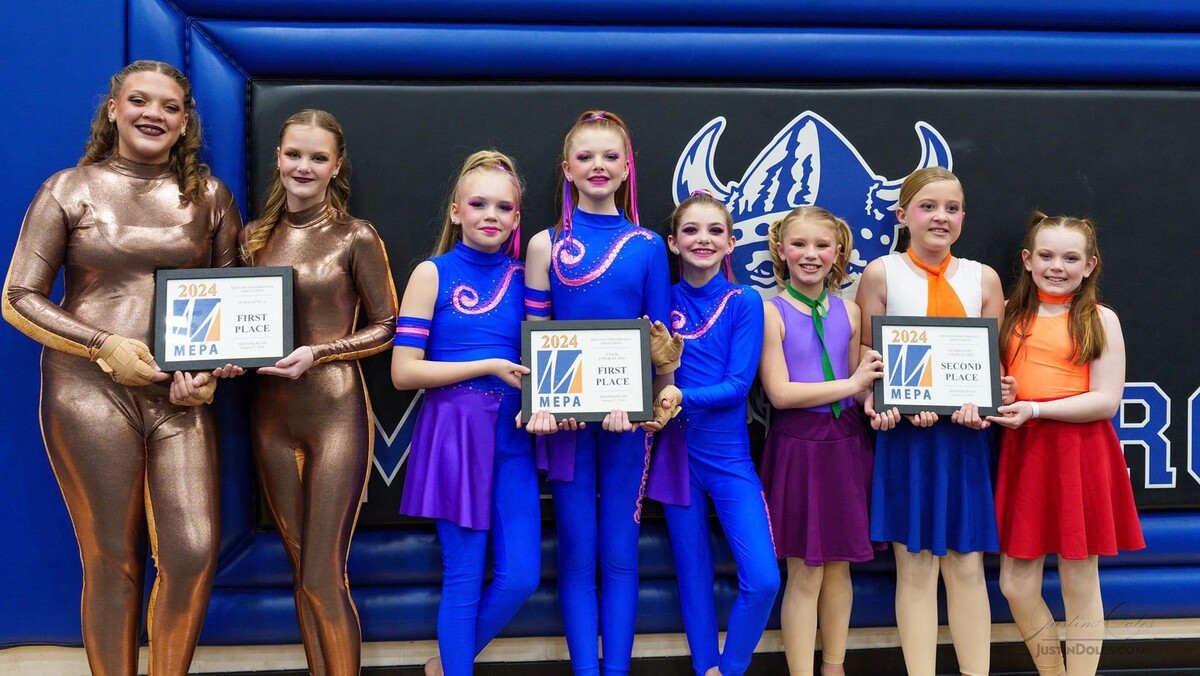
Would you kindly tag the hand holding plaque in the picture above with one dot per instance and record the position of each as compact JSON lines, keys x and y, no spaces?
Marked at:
{"x":192,"y":390}
{"x":292,"y":366}
{"x":668,"y":405}
{"x":127,"y":361}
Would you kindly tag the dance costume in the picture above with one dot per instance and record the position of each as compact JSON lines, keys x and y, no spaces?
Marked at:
{"x":313,"y":436}
{"x":470,"y":467}
{"x":817,"y":466}
{"x":1063,"y":488}
{"x":129,"y":462}
{"x":607,"y":268}
{"x":706,"y":452}
{"x":931,"y":487}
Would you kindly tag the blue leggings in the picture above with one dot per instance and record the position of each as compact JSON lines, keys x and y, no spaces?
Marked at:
{"x":613,"y":463}
{"x":737,"y":495}
{"x":467,"y":619}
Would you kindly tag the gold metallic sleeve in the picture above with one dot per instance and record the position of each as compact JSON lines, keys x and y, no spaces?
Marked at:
{"x":377,"y":294}
{"x":228,"y":222}
{"x":37,"y":258}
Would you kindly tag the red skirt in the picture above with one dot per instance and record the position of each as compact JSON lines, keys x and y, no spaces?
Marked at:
{"x":1063,"y":488}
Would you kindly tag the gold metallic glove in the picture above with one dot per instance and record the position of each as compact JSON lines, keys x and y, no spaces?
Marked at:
{"x":665,"y":410}
{"x":665,"y":349}
{"x":128,"y":361}
{"x":203,"y":395}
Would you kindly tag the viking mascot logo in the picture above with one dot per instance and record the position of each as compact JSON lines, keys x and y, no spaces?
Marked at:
{"x":808,"y":162}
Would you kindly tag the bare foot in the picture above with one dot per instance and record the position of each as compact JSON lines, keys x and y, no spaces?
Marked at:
{"x":433,"y":667}
{"x":713,"y":671}
{"x":829,"y":669}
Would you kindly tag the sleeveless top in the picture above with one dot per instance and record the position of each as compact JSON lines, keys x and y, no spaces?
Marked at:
{"x":1044,"y":366}
{"x":479,"y":309}
{"x":802,"y":348}
{"x":908,"y":292}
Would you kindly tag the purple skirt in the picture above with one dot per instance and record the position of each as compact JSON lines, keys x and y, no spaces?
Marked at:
{"x":450,"y":461}
{"x":554,"y":454}
{"x":816,"y":473}
{"x":670,"y":479}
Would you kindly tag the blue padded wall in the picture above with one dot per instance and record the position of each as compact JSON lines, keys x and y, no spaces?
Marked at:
{"x":53,"y":78}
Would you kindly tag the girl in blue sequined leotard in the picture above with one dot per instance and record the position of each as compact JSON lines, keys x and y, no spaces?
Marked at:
{"x":470,"y":468}
{"x":599,"y":264}
{"x":705,"y":453}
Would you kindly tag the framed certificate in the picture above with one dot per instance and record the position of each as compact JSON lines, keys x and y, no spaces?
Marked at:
{"x":585,"y":369}
{"x":937,"y":364}
{"x":205,"y":318}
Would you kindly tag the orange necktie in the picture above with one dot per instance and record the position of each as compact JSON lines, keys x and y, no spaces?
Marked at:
{"x":943,"y":301}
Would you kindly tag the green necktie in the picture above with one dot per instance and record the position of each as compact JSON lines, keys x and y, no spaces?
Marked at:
{"x":818,"y":314}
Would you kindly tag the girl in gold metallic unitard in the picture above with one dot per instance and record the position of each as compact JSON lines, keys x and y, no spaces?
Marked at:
{"x":312,"y":425}
{"x":134,"y":450}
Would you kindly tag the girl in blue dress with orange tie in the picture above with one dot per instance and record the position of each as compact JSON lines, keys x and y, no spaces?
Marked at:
{"x":470,"y":467}
{"x":931,"y":491}
{"x":705,"y":452}
{"x":598,"y":263}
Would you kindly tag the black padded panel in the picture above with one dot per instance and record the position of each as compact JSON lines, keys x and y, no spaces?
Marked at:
{"x":1123,"y":158}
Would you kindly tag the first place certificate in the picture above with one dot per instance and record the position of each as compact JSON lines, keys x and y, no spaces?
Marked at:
{"x":585,"y":369}
{"x":205,"y":318}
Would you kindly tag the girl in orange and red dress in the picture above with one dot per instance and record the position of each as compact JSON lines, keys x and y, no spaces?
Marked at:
{"x":1063,"y":487}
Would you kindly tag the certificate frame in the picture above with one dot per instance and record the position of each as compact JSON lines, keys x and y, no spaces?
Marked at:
{"x":937,"y":363}
{"x":208,"y":317}
{"x":583,"y":369}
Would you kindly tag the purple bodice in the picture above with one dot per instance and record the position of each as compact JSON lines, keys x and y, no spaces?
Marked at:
{"x":802,"y":348}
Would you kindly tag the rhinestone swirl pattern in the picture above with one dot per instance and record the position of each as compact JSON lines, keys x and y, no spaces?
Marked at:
{"x":678,"y":321}
{"x":466,"y":299}
{"x":569,"y":252}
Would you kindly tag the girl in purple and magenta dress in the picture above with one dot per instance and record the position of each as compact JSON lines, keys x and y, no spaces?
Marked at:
{"x":817,"y":460}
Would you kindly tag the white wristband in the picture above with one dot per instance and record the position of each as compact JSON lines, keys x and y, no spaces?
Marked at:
{"x":1037,"y":411}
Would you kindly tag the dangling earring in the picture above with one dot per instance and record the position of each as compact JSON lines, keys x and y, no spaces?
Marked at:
{"x":112,"y":118}
{"x":334,"y":175}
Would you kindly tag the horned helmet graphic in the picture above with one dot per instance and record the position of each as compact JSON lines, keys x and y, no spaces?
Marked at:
{"x":809,"y":162}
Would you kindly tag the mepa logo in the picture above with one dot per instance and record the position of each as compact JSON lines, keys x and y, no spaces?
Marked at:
{"x":809,"y":162}
{"x":561,"y":372}
{"x":911,"y":365}
{"x":197,"y":318}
